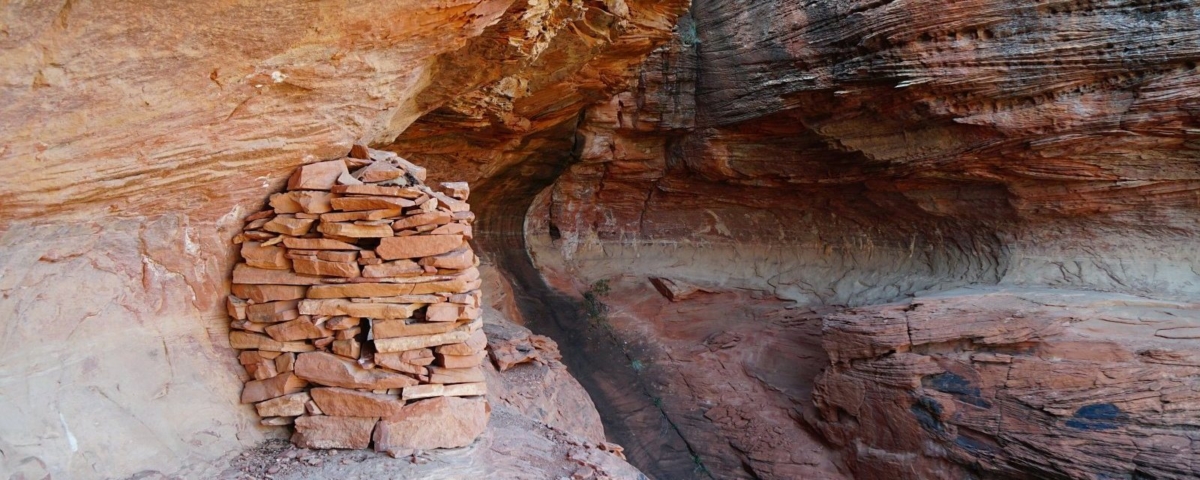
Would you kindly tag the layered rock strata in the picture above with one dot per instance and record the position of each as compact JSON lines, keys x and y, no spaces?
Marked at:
{"x":860,"y":153}
{"x":357,"y":308}
{"x":136,"y":142}
{"x":1013,"y":384}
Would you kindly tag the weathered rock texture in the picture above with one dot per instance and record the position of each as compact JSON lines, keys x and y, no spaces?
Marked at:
{"x":856,"y":152}
{"x":357,"y":308}
{"x":137,"y":136}
{"x":1020,"y":384}
{"x":853,"y":153}
{"x":542,"y":426}
{"x":828,"y":153}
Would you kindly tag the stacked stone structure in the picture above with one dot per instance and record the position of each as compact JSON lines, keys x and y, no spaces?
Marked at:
{"x":357,"y":308}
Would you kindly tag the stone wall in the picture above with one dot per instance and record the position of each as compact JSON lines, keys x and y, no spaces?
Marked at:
{"x":357,"y":308}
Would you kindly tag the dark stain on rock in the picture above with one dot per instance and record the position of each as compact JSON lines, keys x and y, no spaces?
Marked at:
{"x":928,"y":411}
{"x":1097,"y":417}
{"x":958,"y":386}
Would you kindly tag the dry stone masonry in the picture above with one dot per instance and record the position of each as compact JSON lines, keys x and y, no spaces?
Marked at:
{"x":357,"y":308}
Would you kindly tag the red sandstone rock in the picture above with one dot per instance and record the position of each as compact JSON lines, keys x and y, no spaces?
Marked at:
{"x":355,"y":230}
{"x":299,"y":329}
{"x":301,"y":201}
{"x":269,"y":293}
{"x":337,"y":256}
{"x":236,"y":307}
{"x":345,"y":307}
{"x":246,"y":274}
{"x":259,"y":256}
{"x":442,"y":312}
{"x":400,"y":344}
{"x":473,"y":345}
{"x":1038,"y":389}
{"x":361,"y":215}
{"x":431,"y":390}
{"x":454,"y":229}
{"x":460,"y":421}
{"x":289,"y":225}
{"x":285,"y":362}
{"x":456,"y":260}
{"x":456,"y":190}
{"x":508,"y":353}
{"x":398,"y":268}
{"x":410,"y":193}
{"x":432,"y":218}
{"x":317,"y":244}
{"x":317,"y":176}
{"x":314,"y":266}
{"x":674,"y":290}
{"x":401,"y":328}
{"x":447,"y":375}
{"x":334,"y":371}
{"x":333,"y":432}
{"x":251,"y":341}
{"x":378,"y":172}
{"x":358,"y":203}
{"x":271,"y":312}
{"x":460,"y":283}
{"x":393,"y":248}
{"x":210,"y":131}
{"x":460,"y":361}
{"x":277,"y":386}
{"x":346,"y":347}
{"x":353,"y":403}
{"x":286,"y":406}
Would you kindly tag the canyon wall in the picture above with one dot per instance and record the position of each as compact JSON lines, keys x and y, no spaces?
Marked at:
{"x":137,"y":135}
{"x":907,"y":146}
{"x":863,"y":153}
{"x":820,"y":154}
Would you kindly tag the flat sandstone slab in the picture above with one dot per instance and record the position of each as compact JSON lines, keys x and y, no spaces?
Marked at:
{"x":246,"y":274}
{"x":400,"y":328}
{"x":317,"y":176}
{"x":324,"y":431}
{"x":438,"y":390}
{"x":399,"y":344}
{"x":336,"y":307}
{"x":283,"y":384}
{"x":354,"y":403}
{"x":334,"y":371}
{"x":269,"y":293}
{"x":317,"y":244}
{"x":445,"y":422}
{"x":417,"y":246}
{"x":459,"y":284}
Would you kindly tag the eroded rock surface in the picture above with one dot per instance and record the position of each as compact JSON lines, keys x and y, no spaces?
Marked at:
{"x":860,"y":153}
{"x":1020,"y":384}
{"x":136,"y":135}
{"x":827,"y":153}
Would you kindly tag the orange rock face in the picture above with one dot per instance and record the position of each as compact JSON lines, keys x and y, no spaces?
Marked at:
{"x":861,"y":153}
{"x":828,"y":154}
{"x":1039,"y":383}
{"x":131,"y":168}
{"x":461,"y":421}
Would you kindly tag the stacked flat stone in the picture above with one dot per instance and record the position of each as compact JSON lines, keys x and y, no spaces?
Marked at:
{"x":357,"y":308}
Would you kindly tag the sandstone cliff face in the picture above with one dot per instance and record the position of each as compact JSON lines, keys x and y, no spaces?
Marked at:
{"x":859,"y":153}
{"x":905,"y":146}
{"x":1013,"y":384}
{"x":137,"y":135}
{"x":824,"y":154}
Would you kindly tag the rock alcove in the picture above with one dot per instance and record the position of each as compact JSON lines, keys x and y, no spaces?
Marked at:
{"x":907,"y":239}
{"x":356,"y":309}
